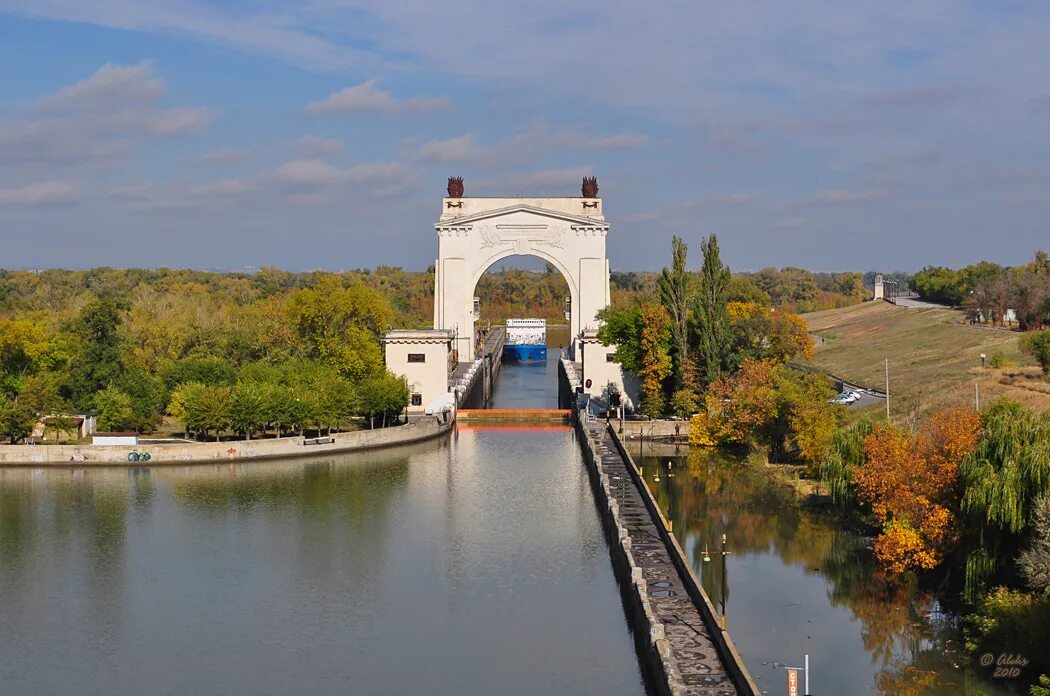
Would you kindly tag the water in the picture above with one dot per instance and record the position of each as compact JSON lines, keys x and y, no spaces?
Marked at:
{"x":532,"y":386}
{"x":798,"y":583}
{"x":470,"y":566}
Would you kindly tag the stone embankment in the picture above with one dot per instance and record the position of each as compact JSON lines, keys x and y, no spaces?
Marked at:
{"x":240,"y":450}
{"x":679,"y":639}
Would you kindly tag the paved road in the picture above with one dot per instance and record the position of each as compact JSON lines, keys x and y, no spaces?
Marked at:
{"x":917,"y":304}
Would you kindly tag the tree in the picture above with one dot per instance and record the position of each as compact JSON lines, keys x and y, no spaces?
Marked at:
{"x":115,"y":412}
{"x":655,"y":357}
{"x":1002,"y":480}
{"x":676,"y":294}
{"x":622,"y":327}
{"x":247,"y":408}
{"x":1034,"y":562}
{"x":99,"y":361}
{"x":16,"y":421}
{"x":1037,"y":344}
{"x":206,"y":369}
{"x":341,"y":325}
{"x":737,"y":407}
{"x":910,"y":483}
{"x":683,"y":403}
{"x":382,"y":396}
{"x":711,"y":316}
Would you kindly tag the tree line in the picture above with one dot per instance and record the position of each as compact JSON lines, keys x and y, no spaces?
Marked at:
{"x":992,"y":293}
{"x":300,"y":352}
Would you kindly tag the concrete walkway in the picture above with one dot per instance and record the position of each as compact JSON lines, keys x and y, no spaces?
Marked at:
{"x":695,"y":665}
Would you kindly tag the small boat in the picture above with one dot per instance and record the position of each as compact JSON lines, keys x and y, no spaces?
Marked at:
{"x":526,"y":341}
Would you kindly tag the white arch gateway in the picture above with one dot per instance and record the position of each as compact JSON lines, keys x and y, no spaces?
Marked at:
{"x":569,"y":233}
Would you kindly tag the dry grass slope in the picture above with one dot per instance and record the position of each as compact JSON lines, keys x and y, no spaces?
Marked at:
{"x":934,"y":357}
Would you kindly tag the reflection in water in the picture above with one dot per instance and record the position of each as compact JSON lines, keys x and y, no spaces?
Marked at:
{"x":468,"y":566}
{"x":801,"y":584}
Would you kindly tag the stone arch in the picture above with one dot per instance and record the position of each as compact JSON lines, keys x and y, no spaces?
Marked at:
{"x":475,"y":233}
{"x":557,"y":263}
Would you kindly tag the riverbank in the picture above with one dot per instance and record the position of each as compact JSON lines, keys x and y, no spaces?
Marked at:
{"x":210,"y":452}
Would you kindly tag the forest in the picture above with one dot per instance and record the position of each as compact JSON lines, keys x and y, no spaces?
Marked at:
{"x":269,"y":353}
{"x":256,"y":354}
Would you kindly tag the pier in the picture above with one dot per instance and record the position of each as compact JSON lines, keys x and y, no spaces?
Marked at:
{"x":472,"y":381}
{"x":677,"y":633}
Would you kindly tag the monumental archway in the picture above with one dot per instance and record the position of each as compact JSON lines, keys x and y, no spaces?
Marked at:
{"x":475,"y":233}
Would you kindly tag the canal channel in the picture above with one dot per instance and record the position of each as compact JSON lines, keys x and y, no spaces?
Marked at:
{"x":798,"y":582}
{"x":471,"y":565}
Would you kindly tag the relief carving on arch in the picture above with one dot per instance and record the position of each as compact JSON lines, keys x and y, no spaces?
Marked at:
{"x":521,"y":235}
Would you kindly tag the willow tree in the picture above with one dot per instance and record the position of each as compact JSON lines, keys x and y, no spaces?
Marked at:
{"x":1003,"y":478}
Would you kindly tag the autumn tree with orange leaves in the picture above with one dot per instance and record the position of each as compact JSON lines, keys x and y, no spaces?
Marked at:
{"x":910,"y":484}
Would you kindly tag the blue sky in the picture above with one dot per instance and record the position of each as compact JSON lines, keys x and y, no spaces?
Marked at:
{"x":319,"y":134}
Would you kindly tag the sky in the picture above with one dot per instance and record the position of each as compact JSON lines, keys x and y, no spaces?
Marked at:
{"x":320,"y":133}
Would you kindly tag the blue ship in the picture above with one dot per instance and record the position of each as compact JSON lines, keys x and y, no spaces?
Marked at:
{"x":526,"y":341}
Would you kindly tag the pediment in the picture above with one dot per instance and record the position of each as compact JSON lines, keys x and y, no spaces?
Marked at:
{"x":529,"y":211}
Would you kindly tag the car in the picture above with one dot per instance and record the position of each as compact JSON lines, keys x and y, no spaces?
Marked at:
{"x":846,"y":398}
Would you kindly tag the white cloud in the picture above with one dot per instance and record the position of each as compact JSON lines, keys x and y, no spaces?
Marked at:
{"x":43,"y":193}
{"x":175,"y":121}
{"x":110,"y":85}
{"x":368,"y":97}
{"x":95,"y":120}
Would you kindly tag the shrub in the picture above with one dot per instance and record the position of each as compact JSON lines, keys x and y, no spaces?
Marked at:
{"x":1009,"y":621}
{"x":1000,"y":360}
{"x":1038,"y":344}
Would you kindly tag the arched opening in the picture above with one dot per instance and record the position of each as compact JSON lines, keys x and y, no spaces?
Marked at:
{"x":525,"y":287}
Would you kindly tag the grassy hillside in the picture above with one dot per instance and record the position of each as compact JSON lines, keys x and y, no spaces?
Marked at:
{"x":934,"y":357}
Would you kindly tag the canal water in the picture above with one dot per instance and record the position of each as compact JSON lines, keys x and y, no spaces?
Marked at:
{"x":475,"y":565}
{"x":532,"y":386}
{"x":799,"y":583}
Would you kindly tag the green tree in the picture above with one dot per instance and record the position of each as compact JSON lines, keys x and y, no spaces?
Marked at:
{"x":207,"y":369}
{"x":711,"y":316}
{"x":341,"y":326}
{"x":115,"y":412}
{"x":382,"y":397}
{"x":683,"y":403}
{"x":622,"y":327}
{"x":1003,"y":479}
{"x":1038,"y":344}
{"x":16,"y":421}
{"x":247,"y":408}
{"x":1035,"y":560}
{"x":676,"y":294}
{"x":99,"y":361}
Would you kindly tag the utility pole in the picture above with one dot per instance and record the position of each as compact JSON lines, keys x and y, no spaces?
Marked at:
{"x":887,"y":388}
{"x":977,"y":396}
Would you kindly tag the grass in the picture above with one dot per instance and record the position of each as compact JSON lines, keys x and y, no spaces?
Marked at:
{"x":934,"y":357}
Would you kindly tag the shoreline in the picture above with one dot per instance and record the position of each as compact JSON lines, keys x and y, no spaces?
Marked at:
{"x":87,"y":456}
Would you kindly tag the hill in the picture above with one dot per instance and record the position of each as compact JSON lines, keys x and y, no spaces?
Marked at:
{"x":934,"y":356}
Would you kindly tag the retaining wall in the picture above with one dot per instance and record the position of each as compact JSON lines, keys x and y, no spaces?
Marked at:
{"x":205,"y":452}
{"x":660,"y":646}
